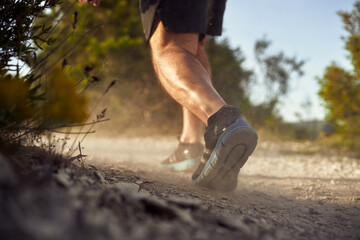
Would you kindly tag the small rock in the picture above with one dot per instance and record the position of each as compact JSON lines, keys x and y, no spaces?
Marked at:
{"x":92,"y":167}
{"x":111,"y":179}
{"x":126,"y":187}
{"x":63,"y":178}
{"x":143,"y":192}
{"x":185,"y":202}
{"x":263,"y":223}
{"x":249,"y":220}
{"x":100,"y":177}
{"x":332,"y":182}
{"x":313,"y":211}
{"x":234,"y":224}
{"x":162,"y":209}
{"x":299,"y":229}
{"x":86,"y":180}
{"x":130,"y":188}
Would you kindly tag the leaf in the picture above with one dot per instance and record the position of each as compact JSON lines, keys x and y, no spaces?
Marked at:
{"x":51,"y":41}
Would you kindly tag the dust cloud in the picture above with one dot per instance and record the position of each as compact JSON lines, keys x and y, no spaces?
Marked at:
{"x":134,"y":153}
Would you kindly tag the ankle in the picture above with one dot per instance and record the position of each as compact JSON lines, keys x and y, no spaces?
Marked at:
{"x":218,"y":122}
{"x":190,"y":139}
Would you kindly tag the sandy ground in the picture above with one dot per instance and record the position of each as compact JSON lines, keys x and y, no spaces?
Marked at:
{"x":300,"y":190}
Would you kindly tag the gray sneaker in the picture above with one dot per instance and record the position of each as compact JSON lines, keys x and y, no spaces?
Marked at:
{"x":229,"y":141}
{"x":185,"y":158}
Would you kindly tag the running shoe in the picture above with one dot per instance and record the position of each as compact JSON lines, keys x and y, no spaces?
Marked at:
{"x":185,"y":158}
{"x":229,"y":141}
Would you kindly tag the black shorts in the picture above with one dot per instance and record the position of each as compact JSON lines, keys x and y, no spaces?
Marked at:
{"x":184,"y":16}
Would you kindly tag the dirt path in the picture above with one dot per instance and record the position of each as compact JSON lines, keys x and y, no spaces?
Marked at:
{"x":285,"y":190}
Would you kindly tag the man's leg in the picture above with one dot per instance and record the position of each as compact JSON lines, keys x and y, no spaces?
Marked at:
{"x":182,"y":74}
{"x":229,"y":139}
{"x":192,"y":131}
{"x":183,"y":69}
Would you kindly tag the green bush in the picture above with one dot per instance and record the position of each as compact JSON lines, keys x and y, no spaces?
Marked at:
{"x":35,"y":95}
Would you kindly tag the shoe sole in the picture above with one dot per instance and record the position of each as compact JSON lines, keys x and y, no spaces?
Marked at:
{"x":231,"y":152}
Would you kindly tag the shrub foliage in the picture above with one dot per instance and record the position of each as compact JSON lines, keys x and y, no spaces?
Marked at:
{"x":340,"y":89}
{"x":34,"y":95}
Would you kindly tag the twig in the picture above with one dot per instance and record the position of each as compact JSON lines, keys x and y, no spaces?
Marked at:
{"x":86,"y":133}
{"x":78,"y":125}
{"x":76,"y":157}
{"x":51,"y":52}
{"x":57,"y":22}
{"x":51,"y":130}
{"x":81,"y":156}
{"x":93,"y":109}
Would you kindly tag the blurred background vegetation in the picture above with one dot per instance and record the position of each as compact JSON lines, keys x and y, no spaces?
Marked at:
{"x":340,"y":89}
{"x":109,"y":39}
{"x":53,"y":53}
{"x":33,"y":95}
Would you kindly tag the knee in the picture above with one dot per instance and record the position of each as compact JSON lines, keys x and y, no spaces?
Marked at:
{"x":173,"y":46}
{"x":163,"y":41}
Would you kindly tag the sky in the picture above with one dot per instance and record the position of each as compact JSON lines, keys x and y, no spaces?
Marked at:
{"x":308,"y":29}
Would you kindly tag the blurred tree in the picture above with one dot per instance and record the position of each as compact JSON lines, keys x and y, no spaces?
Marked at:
{"x":278,"y":69}
{"x":340,"y":89}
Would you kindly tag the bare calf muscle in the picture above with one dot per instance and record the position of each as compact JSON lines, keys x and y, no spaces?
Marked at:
{"x":181,"y":72}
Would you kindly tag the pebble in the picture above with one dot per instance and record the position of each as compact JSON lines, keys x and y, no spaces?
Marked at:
{"x":313,"y":211}
{"x":130,"y":188}
{"x":100,"y":177}
{"x":63,"y":178}
{"x":185,"y":202}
